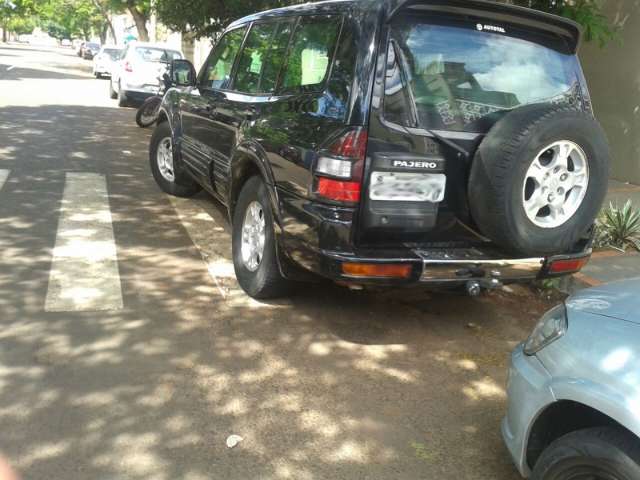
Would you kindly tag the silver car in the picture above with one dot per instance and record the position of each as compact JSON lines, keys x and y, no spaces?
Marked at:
{"x":104,"y":62}
{"x":574,"y":389}
{"x":136,"y":75}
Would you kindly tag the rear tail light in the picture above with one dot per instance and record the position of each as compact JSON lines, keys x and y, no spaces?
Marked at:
{"x":568,"y":265}
{"x":380,"y":270}
{"x":339,"y":168}
{"x":128,"y":67}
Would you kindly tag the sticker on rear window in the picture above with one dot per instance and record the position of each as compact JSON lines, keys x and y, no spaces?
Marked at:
{"x":490,"y":28}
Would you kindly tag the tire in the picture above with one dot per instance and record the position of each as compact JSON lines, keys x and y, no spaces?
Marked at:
{"x":181,"y":185}
{"x":598,"y":453}
{"x":147,"y":114}
{"x":265,"y":280}
{"x":505,"y":200}
{"x":112,"y":93}
{"x":122,"y":97}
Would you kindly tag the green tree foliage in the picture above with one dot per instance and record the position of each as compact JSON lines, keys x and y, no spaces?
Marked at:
{"x":587,"y":13}
{"x":206,"y":18}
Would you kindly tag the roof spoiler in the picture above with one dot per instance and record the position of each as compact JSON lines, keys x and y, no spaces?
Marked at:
{"x":567,"y":29}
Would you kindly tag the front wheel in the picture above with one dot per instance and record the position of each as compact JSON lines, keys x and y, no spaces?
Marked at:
{"x":254,"y":246}
{"x":603,"y":453}
{"x":148,"y":112}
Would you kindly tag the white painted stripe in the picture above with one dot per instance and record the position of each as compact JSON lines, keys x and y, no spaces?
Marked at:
{"x":4,"y":174}
{"x":211,"y":240}
{"x":84,"y":273}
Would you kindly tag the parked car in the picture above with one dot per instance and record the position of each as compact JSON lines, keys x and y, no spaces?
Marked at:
{"x":574,"y":389}
{"x":90,"y":50}
{"x":135,"y":76}
{"x":105,"y":60}
{"x":65,"y":42}
{"x":391,"y":143}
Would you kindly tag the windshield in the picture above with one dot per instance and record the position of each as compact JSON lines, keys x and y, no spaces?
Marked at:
{"x":93,"y":46}
{"x":458,"y":78}
{"x":151,"y":54}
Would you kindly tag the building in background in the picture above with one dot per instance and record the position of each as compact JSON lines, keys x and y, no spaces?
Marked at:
{"x":613,"y":74}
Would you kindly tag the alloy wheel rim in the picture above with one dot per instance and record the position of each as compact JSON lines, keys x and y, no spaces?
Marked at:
{"x":253,"y":236}
{"x":164,"y":157}
{"x":555,"y":184}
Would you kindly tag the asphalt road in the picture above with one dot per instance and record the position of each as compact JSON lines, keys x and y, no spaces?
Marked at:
{"x":127,"y":350}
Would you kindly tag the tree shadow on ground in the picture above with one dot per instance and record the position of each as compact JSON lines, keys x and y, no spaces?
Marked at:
{"x":326,"y":384}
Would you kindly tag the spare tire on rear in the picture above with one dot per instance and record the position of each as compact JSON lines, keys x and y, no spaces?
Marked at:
{"x":539,"y":178}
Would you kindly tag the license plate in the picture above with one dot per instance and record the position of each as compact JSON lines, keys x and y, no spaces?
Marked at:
{"x":407,"y":187}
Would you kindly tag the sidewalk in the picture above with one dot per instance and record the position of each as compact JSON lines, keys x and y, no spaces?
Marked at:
{"x":610,"y":265}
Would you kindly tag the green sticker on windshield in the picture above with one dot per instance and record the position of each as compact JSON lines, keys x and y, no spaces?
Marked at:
{"x":256,"y":63}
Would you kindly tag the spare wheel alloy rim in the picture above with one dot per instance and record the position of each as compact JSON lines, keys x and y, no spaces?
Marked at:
{"x":164,"y":157}
{"x":555,"y":184}
{"x":253,"y":236}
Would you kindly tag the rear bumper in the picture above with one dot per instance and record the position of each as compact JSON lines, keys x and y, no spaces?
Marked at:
{"x":320,"y":239}
{"x":440,"y":266}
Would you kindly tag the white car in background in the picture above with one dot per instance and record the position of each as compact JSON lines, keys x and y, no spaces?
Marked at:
{"x":136,"y":76}
{"x":106,"y":59}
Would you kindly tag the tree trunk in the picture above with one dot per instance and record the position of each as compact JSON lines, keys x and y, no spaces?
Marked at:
{"x":105,"y":14}
{"x":141,"y":21}
{"x":4,"y":33}
{"x":103,"y":34}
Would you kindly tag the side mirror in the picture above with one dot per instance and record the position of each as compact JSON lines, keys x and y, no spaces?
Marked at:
{"x":183,"y":73}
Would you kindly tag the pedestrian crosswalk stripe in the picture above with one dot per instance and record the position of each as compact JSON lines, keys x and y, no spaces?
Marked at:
{"x":4,"y":174}
{"x":84,"y":273}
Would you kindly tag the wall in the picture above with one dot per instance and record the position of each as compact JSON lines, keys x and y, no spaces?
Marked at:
{"x":613,"y":74}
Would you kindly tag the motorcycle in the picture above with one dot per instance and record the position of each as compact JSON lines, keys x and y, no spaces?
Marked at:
{"x":148,"y":112}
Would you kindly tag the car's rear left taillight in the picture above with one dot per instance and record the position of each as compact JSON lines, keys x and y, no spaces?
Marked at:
{"x":128,"y":67}
{"x":339,"y":168}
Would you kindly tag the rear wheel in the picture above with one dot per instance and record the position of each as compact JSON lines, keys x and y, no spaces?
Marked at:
{"x":603,"y":453}
{"x":112,"y":93}
{"x":148,"y":112}
{"x":122,"y":97}
{"x":162,"y":162}
{"x":254,"y":247}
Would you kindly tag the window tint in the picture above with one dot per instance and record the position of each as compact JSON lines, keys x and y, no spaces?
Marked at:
{"x":458,"y":78}
{"x":274,"y":61}
{"x":310,"y":55}
{"x":252,"y":58}
{"x":217,"y":71}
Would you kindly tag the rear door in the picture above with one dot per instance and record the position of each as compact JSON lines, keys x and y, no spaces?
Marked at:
{"x":205,"y":137}
{"x":442,"y":82}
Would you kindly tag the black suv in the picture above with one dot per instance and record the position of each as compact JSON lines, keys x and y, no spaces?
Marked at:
{"x":391,"y":142}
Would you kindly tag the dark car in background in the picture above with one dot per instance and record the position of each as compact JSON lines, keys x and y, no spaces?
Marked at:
{"x":391,"y":143}
{"x":90,"y":50}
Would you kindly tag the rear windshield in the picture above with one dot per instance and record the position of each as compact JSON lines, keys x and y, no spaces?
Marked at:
{"x":462,"y":77}
{"x":151,"y":54}
{"x":113,"y":53}
{"x":94,"y":46}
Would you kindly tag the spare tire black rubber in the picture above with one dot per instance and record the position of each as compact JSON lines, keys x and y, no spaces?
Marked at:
{"x":504,"y":183}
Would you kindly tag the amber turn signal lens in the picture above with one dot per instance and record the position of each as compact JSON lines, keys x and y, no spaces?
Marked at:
{"x":568,"y":265}
{"x":377,"y":270}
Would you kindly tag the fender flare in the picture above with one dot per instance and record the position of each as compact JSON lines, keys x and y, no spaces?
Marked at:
{"x":246,"y":157}
{"x":600,"y":398}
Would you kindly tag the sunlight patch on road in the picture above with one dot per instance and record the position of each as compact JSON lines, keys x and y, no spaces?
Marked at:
{"x":84,"y":274}
{"x":4,"y":174}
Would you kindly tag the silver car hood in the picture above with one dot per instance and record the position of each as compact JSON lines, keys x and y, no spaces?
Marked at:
{"x":616,"y":299}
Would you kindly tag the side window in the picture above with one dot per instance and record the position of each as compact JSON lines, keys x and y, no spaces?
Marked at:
{"x":310,"y":55}
{"x":253,"y":57}
{"x":217,"y":71}
{"x":275,"y":60}
{"x":397,"y":98}
{"x":340,"y":83}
